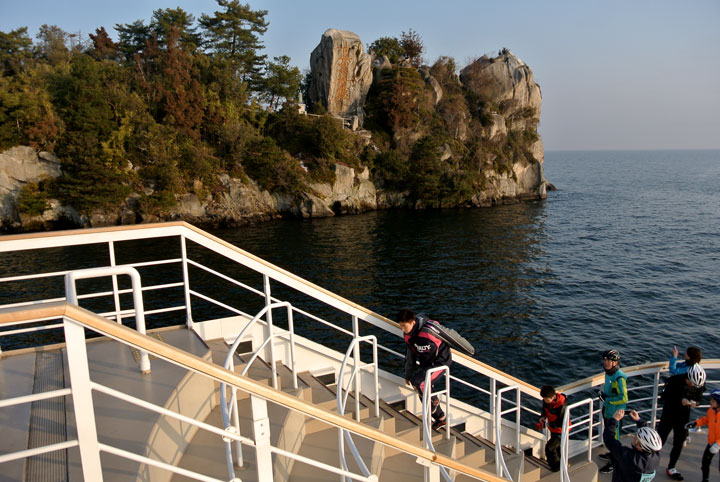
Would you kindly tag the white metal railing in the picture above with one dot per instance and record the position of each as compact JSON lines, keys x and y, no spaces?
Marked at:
{"x":645,"y":383}
{"x":229,"y":408}
{"x":427,"y":412}
{"x":344,"y":435}
{"x":139,"y":307}
{"x":75,"y":321}
{"x":500,"y":466}
{"x":190,"y":237}
{"x":565,"y":434}
{"x":188,"y":234}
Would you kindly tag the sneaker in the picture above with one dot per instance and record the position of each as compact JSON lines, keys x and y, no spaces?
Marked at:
{"x":605,"y":456}
{"x":674,"y":474}
{"x":438,"y":424}
{"x":607,"y":468}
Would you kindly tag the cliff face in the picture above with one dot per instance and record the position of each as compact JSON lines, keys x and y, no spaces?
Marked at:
{"x":509,"y":93}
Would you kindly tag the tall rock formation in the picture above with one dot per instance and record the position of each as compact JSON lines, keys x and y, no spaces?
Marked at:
{"x":505,"y":80}
{"x":510,"y":96}
{"x":341,"y":73}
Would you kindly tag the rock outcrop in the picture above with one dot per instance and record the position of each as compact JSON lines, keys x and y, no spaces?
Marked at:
{"x":19,"y":166}
{"x":240,"y":202}
{"x":505,"y":80}
{"x":505,"y":84}
{"x":341,"y":74}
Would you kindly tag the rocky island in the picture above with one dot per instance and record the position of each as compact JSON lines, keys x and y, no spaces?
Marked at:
{"x":382,"y":133}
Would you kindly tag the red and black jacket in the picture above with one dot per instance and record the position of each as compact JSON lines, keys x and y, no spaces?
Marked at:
{"x":554,"y":413}
{"x":425,"y":349}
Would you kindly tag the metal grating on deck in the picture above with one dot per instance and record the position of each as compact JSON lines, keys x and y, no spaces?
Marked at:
{"x":47,"y":421}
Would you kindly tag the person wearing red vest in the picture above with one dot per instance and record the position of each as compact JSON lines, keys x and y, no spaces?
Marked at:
{"x":553,"y":413}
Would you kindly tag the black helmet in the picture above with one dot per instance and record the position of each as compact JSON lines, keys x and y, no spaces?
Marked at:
{"x":613,"y":355}
{"x":715,"y":395}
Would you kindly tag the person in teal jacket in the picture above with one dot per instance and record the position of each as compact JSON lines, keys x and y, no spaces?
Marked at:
{"x":614,"y":396}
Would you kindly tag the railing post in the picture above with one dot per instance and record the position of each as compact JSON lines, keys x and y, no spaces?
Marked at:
{"x":493,"y":396}
{"x":497,"y":436}
{"x":235,"y":422}
{"x":377,"y":384}
{"x":447,"y":404}
{"x":186,"y":282}
{"x":268,"y":318}
{"x":116,"y":295}
{"x":356,"y":358}
{"x":291,"y":329}
{"x":432,"y":471}
{"x":656,"y":389}
{"x":261,"y":432}
{"x":82,"y":400}
{"x":501,"y":467}
{"x":517,"y":421}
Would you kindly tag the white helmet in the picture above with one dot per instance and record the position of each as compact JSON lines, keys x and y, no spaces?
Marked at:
{"x":696,"y":375}
{"x":649,"y":439}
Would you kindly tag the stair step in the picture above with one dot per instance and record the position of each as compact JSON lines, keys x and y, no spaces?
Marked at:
{"x":401,"y":467}
{"x":581,"y":471}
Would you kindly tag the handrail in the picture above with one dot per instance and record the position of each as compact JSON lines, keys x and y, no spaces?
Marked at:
{"x":565,"y":435}
{"x":71,"y":295}
{"x":427,"y":404}
{"x":427,"y":407}
{"x":342,"y":401}
{"x":500,"y":465}
{"x":222,"y":375}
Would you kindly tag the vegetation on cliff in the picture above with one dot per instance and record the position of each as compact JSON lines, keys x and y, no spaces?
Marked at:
{"x":176,"y":101}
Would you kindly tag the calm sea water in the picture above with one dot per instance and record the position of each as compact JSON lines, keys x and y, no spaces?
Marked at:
{"x":625,"y":254}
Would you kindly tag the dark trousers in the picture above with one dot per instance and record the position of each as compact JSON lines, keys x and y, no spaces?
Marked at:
{"x":670,"y":422}
{"x":552,"y":451}
{"x":610,"y":459}
{"x":706,"y":459}
{"x":417,"y":380}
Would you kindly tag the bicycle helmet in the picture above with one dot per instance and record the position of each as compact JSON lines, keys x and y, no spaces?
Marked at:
{"x":696,"y":375}
{"x":649,"y":439}
{"x":715,"y":395}
{"x":613,"y":355}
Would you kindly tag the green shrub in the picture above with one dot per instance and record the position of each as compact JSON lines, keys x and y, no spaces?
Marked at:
{"x":157,"y":203}
{"x":393,"y":169}
{"x":272,"y":168}
{"x":33,"y":199}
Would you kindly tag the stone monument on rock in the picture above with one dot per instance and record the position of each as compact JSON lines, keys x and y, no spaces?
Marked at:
{"x":341,"y":74}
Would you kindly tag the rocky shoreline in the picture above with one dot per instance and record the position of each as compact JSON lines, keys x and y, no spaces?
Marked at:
{"x":239,"y":203}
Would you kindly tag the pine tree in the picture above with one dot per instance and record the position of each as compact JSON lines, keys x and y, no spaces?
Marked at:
{"x":281,"y":81}
{"x":232,"y":36}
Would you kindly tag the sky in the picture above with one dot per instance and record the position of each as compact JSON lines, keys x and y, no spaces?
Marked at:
{"x":614,"y":74}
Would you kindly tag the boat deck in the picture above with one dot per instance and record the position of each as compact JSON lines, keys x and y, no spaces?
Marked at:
{"x":137,"y":430}
{"x":119,"y":423}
